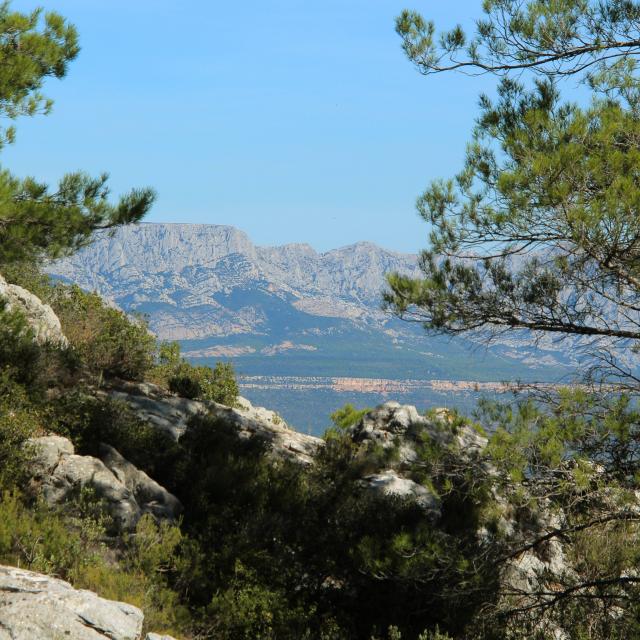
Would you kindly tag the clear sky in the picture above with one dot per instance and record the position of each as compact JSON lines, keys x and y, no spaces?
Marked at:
{"x":295,"y":121}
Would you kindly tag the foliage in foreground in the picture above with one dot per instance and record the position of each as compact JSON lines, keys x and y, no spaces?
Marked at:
{"x":70,"y":544}
{"x":270,"y":549}
{"x":37,"y":221}
{"x":196,"y":382}
{"x":104,"y":343}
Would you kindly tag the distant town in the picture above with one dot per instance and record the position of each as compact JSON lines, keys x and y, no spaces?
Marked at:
{"x":376,"y":385}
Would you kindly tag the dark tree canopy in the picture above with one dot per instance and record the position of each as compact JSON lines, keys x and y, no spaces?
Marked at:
{"x":37,"y":221}
{"x":556,"y":38}
{"x":540,"y":230}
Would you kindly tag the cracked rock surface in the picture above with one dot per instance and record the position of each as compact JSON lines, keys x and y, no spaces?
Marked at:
{"x":126,"y":492}
{"x":38,"y":607}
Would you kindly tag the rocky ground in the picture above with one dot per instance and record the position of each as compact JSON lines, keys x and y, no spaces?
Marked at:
{"x":38,"y":607}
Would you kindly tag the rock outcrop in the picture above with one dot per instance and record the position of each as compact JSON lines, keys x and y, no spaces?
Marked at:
{"x":126,"y":492}
{"x":392,"y":421}
{"x":38,"y":607}
{"x":172,"y":413}
{"x":391,"y":483}
{"x":148,"y":494}
{"x":41,"y":318}
{"x":395,"y":425}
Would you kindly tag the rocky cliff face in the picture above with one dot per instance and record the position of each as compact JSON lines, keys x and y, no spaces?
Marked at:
{"x":38,"y":607}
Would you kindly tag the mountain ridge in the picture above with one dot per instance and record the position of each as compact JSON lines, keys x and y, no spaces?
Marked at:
{"x":292,"y":311}
{"x":213,"y":259}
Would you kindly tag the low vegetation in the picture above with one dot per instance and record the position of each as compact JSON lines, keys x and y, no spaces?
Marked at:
{"x":270,"y":548}
{"x":196,"y":382}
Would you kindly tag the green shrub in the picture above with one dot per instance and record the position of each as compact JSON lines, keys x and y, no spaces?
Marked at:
{"x":347,"y":416}
{"x":68,"y":544}
{"x":41,"y":540}
{"x":18,"y":351}
{"x":18,"y":421}
{"x":196,"y":382}
{"x":185,"y":382}
{"x":287,"y":551}
{"x":245,"y":609}
{"x":107,"y":341}
{"x":28,"y":276}
{"x":217,"y":384}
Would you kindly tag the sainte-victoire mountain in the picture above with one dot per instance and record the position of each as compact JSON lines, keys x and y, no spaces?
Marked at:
{"x":188,"y":276}
{"x":210,"y":288}
{"x":288,"y":311}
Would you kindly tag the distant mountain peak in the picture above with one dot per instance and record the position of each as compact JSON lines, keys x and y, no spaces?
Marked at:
{"x":191,"y":268}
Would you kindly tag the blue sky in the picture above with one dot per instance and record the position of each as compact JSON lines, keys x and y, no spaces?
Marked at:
{"x":296,"y":121}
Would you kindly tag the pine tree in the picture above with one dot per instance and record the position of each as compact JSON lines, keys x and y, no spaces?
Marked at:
{"x":540,"y":230}
{"x":37,"y":221}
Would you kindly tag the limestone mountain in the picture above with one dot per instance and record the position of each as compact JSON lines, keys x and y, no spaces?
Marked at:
{"x":187,"y":276}
{"x":285,"y":310}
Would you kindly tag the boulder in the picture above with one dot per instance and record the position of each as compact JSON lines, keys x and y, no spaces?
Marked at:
{"x":390,"y":483}
{"x":38,"y":607}
{"x":392,"y":423}
{"x":47,"y":453}
{"x":157,"y":406}
{"x":150,"y":496}
{"x":172,"y":413}
{"x":126,"y":492}
{"x":253,"y":421}
{"x":40,"y":317}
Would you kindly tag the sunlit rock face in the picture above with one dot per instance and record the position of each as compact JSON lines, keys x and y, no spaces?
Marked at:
{"x":38,"y":607}
{"x":402,"y":427}
{"x":40,"y":317}
{"x":172,"y":413}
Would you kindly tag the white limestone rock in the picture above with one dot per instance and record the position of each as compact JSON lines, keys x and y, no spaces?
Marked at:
{"x":392,"y":423}
{"x":172,"y":413}
{"x":126,"y":492}
{"x":157,"y":406}
{"x":150,"y":496}
{"x":390,"y":483}
{"x":38,"y":607}
{"x":40,"y":317}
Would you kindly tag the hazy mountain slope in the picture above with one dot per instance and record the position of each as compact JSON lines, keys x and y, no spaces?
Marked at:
{"x":209,"y":259}
{"x":285,"y":310}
